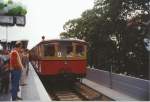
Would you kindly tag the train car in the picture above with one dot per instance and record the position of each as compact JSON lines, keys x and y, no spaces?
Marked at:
{"x":59,"y":58}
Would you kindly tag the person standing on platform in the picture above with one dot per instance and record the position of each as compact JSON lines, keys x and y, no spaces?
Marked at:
{"x":16,"y":67}
{"x":24,"y":62}
{"x":5,"y":73}
{"x":27,"y":61}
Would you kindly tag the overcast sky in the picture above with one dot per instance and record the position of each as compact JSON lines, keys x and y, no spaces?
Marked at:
{"x":46,"y":17}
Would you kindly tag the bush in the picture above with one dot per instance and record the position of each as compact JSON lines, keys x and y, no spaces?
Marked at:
{"x":18,"y":10}
{"x":12,"y":9}
{"x":2,"y":6}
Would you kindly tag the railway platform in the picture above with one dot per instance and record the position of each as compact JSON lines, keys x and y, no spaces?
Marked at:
{"x":35,"y":91}
{"x":112,"y":94}
{"x":117,"y":86}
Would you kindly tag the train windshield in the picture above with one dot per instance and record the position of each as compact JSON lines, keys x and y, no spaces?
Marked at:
{"x":79,"y":50}
{"x":65,"y":49}
{"x":69,"y":49}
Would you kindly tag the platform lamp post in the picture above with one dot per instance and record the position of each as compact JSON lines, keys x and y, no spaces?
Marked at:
{"x":6,"y":21}
{"x":6,"y":37}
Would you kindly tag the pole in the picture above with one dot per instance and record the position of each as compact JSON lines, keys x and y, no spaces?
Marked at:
{"x":6,"y":37}
{"x":110,"y":76}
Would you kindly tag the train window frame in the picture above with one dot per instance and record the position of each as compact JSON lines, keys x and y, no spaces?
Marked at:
{"x":39,"y":51}
{"x":69,"y":51}
{"x":65,"y":49}
{"x":49,"y":49}
{"x":82,"y":53}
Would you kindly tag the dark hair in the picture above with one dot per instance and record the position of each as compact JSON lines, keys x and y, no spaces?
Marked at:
{"x":26,"y":50}
{"x":18,"y":45}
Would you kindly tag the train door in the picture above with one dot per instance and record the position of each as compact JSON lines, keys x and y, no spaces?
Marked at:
{"x":39,"y":57}
{"x":66,"y":49}
{"x":48,"y":58}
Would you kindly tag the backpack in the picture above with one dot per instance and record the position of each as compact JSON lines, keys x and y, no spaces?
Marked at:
{"x":3,"y":62}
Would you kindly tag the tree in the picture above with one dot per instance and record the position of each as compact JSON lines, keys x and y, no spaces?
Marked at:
{"x":115,"y":30}
{"x":13,"y":9}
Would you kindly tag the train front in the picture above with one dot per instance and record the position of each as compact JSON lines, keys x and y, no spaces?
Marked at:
{"x":61,"y":59}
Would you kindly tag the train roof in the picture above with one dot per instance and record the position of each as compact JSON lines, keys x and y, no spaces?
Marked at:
{"x":61,"y":40}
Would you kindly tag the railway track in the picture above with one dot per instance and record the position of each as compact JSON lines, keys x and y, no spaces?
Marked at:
{"x":68,"y":95}
{"x":75,"y":92}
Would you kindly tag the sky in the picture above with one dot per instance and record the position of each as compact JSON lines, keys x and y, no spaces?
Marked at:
{"x":45,"y":17}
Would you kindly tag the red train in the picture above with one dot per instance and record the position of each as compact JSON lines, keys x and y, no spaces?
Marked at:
{"x":60,"y":58}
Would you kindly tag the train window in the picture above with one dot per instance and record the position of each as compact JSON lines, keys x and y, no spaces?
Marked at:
{"x":69,"y":51}
{"x":39,"y":49}
{"x":79,"y":50}
{"x":49,"y":50}
{"x":65,"y":49}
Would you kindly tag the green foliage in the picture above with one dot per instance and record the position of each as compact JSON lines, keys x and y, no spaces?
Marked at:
{"x":10,"y":2}
{"x":2,"y":6}
{"x":17,"y":11}
{"x":64,"y":35}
